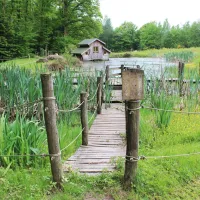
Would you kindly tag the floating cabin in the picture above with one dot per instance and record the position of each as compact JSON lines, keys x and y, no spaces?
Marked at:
{"x":92,"y":49}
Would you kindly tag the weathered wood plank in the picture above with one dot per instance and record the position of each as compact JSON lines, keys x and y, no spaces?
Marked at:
{"x":104,"y":144}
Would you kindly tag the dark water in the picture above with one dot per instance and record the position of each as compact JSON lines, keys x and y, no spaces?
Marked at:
{"x":151,"y":66}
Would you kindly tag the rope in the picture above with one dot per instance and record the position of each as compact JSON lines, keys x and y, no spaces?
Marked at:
{"x":94,"y":94}
{"x":170,"y":156}
{"x":92,"y":115}
{"x":134,"y":159}
{"x":73,"y":140}
{"x":25,"y":104}
{"x":175,"y":111}
{"x":48,"y":98}
{"x":133,"y":110}
{"x":33,"y":155}
{"x":73,"y":109}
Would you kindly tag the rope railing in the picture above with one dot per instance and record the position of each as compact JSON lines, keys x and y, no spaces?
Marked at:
{"x":72,"y":141}
{"x":18,"y":106}
{"x":175,"y":111}
{"x":31,"y":155}
{"x":136,"y":159}
{"x":29,"y":104}
{"x":73,"y":109}
{"x":157,"y":109}
{"x":93,"y":114}
{"x":92,"y":98}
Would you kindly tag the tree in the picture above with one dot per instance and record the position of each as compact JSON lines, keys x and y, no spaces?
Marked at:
{"x":107,"y":35}
{"x":195,"y":34}
{"x":125,"y":37}
{"x":176,"y":36}
{"x":150,"y":36}
{"x":165,"y":34}
{"x":77,"y":20}
{"x":47,"y":18}
{"x":80,"y":18}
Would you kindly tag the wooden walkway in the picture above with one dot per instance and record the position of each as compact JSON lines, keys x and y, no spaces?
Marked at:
{"x":106,"y":142}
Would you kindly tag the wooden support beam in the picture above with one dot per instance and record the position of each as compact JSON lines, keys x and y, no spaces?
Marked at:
{"x":84,"y":118}
{"x":51,"y":128}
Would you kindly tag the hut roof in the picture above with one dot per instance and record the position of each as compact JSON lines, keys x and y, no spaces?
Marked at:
{"x":80,"y":51}
{"x":90,"y":41}
{"x":106,"y":49}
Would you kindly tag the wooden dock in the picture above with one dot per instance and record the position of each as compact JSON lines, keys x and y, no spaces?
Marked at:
{"x":106,"y":143}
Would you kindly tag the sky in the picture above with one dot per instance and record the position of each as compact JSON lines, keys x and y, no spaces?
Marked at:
{"x":141,"y":12}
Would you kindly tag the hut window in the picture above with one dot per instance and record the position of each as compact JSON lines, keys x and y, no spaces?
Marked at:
{"x":95,"y":49}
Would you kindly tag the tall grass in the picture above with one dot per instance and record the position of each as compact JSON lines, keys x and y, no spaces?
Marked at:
{"x":164,"y":94}
{"x":22,"y":128}
{"x":182,"y":56}
{"x":21,"y":137}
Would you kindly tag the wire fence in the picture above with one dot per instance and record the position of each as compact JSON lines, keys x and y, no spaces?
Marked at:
{"x":174,"y":111}
{"x":136,"y":159}
{"x":156,"y":109}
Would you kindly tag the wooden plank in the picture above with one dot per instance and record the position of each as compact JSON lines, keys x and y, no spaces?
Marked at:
{"x":115,"y":74}
{"x":115,"y":68}
{"x":105,"y":144}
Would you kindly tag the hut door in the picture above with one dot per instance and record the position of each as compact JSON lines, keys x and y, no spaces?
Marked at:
{"x":95,"y":52}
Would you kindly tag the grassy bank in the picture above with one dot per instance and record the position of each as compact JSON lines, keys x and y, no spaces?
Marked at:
{"x":156,"y":179}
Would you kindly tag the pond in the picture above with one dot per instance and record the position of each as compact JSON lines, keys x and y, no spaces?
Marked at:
{"x":152,"y":66}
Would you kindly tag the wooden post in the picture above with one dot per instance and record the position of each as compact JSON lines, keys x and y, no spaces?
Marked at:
{"x":102,"y":95}
{"x":132,"y":136}
{"x":180,"y":78}
{"x":199,"y":68}
{"x":60,"y":72}
{"x":107,"y":73}
{"x":51,"y":128}
{"x":99,"y":94}
{"x":122,"y":69}
{"x":106,"y":84}
{"x":132,"y":92}
{"x":84,"y":118}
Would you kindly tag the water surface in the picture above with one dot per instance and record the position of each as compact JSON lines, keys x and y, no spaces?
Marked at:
{"x":151,"y":66}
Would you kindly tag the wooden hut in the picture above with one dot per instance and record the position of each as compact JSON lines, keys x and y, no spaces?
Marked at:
{"x":92,"y":49}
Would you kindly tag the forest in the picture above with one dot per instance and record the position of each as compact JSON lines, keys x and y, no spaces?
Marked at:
{"x":39,"y":27}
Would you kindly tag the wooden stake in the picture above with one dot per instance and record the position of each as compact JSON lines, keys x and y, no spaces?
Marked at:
{"x":132,"y":92}
{"x":132,"y":135}
{"x":180,"y":78}
{"x":51,"y":128}
{"x":107,"y":73}
{"x":122,"y":69}
{"x":84,"y":118}
{"x":99,"y":94}
{"x":199,"y":68}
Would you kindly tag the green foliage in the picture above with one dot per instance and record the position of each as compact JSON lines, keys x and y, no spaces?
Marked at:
{"x":168,"y":178}
{"x":150,"y":36}
{"x":161,"y":101}
{"x":125,"y":37}
{"x":21,"y":137}
{"x":107,"y":35}
{"x":43,"y":26}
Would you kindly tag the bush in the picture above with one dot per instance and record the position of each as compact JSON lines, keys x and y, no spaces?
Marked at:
{"x":127,"y":55}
